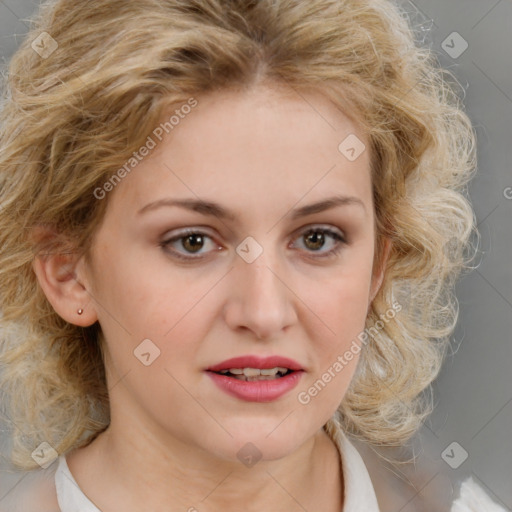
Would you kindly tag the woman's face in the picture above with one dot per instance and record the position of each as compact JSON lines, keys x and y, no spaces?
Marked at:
{"x":241,"y":270}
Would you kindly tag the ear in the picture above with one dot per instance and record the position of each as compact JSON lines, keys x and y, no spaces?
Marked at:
{"x":378,"y":276}
{"x":61,"y":275}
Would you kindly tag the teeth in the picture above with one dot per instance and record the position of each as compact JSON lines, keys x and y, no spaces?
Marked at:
{"x":255,"y":373}
{"x":252,"y":372}
{"x":269,"y":371}
{"x":258,"y":377}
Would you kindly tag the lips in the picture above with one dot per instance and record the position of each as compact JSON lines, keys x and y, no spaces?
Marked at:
{"x":262,"y":363}
{"x":241,"y":377}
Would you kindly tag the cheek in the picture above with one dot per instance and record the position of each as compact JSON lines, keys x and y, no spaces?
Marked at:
{"x":154,"y":328}
{"x":341,"y":303}
{"x":172,"y":309}
{"x":145,"y":296}
{"x":337,"y":354}
{"x":343,"y":308}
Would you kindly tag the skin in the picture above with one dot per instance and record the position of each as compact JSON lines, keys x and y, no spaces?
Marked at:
{"x":174,"y":436}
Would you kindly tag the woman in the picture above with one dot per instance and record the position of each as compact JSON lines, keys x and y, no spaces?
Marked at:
{"x":229,"y":235}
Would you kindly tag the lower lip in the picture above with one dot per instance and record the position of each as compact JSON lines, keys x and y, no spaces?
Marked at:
{"x":256,"y":391}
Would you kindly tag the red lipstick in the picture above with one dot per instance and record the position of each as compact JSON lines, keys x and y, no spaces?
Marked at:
{"x":256,"y":379}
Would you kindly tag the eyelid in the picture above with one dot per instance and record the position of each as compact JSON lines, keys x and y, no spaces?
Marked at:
{"x":320,"y":227}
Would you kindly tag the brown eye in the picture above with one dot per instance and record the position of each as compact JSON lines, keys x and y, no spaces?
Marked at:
{"x":189,"y":244}
{"x":316,"y":239}
{"x":192,"y":243}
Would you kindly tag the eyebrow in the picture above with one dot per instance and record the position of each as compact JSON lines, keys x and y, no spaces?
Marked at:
{"x":216,"y":210}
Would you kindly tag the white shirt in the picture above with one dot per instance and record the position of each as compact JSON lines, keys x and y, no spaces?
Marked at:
{"x":69,"y":495}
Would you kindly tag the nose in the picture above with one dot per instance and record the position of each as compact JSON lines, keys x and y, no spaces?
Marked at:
{"x":260,"y":300}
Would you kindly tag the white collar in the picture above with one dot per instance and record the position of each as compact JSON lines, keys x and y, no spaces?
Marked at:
{"x":69,"y":495}
{"x":358,"y":491}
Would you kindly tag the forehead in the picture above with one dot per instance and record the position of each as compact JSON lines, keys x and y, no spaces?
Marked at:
{"x":252,"y":147}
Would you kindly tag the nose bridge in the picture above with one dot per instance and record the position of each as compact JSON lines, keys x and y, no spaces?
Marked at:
{"x":259,"y":300}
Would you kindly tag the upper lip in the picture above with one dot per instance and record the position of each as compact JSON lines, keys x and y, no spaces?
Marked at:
{"x":256,"y":362}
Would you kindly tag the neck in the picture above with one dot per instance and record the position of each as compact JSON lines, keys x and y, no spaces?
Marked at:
{"x":159,"y":471}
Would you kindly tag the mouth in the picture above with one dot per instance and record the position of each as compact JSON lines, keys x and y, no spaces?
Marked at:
{"x":256,"y":374}
{"x":256,"y":379}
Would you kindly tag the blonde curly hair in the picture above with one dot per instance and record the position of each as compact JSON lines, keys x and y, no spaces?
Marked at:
{"x":70,"y":119}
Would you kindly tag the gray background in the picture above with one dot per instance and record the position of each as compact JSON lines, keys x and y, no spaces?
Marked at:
{"x":473,"y":394}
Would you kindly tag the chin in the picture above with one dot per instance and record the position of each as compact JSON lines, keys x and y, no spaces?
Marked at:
{"x":266,"y":439}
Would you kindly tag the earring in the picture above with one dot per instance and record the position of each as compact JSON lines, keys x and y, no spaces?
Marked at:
{"x":80,"y":311}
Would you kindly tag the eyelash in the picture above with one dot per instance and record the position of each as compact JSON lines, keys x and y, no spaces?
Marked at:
{"x":326,"y":231}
